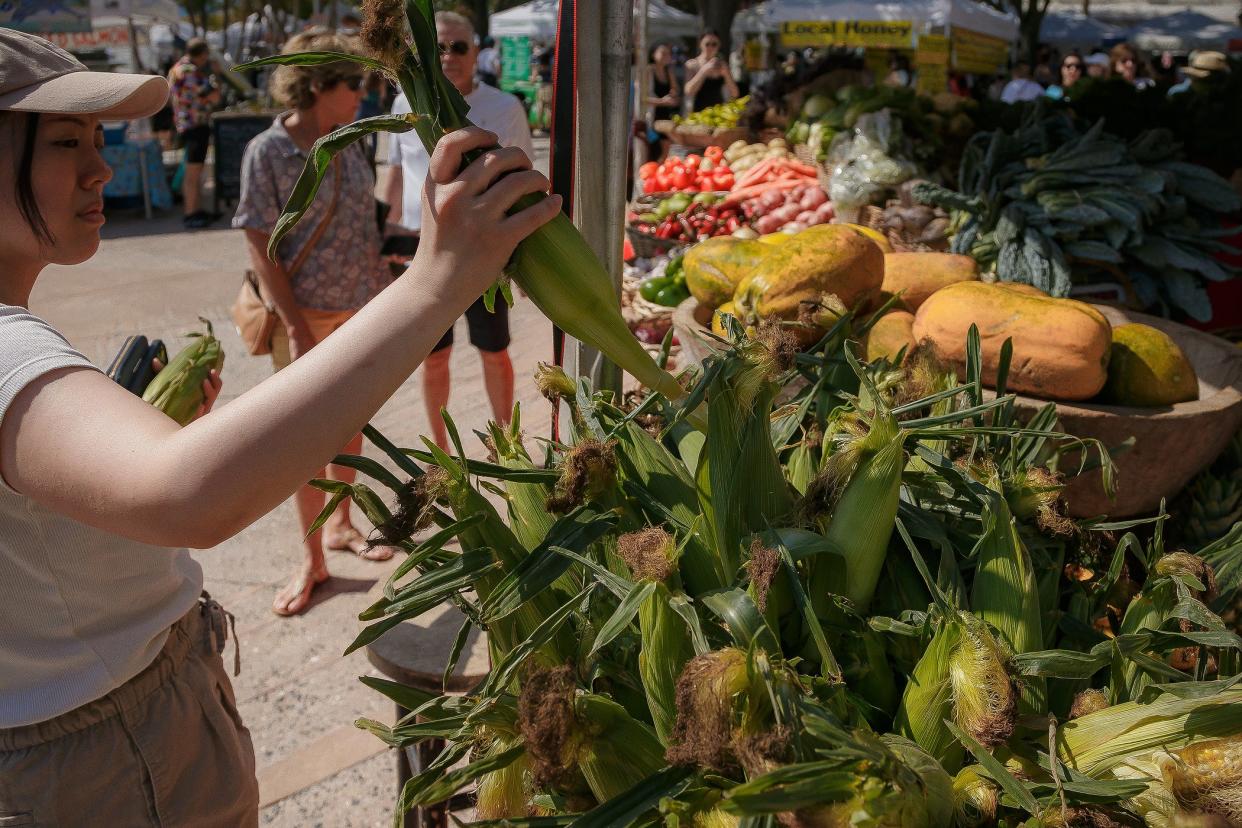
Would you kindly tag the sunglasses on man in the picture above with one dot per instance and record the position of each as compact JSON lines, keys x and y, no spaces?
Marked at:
{"x":458,"y":47}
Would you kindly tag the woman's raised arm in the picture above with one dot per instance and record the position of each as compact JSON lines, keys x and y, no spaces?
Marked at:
{"x":79,"y":444}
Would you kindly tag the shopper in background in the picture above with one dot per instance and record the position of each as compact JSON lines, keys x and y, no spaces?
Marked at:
{"x":1129,"y":66}
{"x":1098,"y":65}
{"x":194,"y":96}
{"x":502,"y":114}
{"x":1020,"y":86}
{"x":489,"y":63}
{"x":1071,"y":73}
{"x":338,"y":270}
{"x":708,"y":79}
{"x":665,"y":97}
{"x":1204,"y":69}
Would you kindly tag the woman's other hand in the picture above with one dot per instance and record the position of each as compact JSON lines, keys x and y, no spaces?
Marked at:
{"x":463,"y":209}
{"x":211,"y":390}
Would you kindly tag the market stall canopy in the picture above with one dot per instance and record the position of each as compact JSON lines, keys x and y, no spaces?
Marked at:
{"x":537,"y":20}
{"x":1182,"y":32}
{"x":965,"y":14}
{"x":108,"y":12}
{"x":1070,"y":28}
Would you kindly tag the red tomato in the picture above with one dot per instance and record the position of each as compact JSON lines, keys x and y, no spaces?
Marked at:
{"x":714,"y":153}
{"x":683,"y":179}
{"x":693,"y":161}
{"x":706,"y":185}
{"x":724,"y":182}
{"x":647,"y":170}
{"x":663,"y":181}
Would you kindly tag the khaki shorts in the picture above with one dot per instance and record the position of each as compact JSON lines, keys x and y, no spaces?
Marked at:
{"x":320,"y":322}
{"x":167,"y":748}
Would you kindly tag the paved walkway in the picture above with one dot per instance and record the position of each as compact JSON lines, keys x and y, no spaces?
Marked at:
{"x":296,"y":692}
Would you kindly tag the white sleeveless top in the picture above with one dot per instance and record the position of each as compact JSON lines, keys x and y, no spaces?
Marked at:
{"x":82,"y":611}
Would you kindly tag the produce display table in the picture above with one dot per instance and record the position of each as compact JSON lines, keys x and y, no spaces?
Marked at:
{"x":138,"y":170}
{"x":414,"y":653}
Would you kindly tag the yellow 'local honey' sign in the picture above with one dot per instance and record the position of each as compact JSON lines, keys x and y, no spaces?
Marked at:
{"x":876,"y":34}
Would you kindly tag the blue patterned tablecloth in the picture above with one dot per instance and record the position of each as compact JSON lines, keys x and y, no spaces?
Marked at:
{"x":126,"y":161}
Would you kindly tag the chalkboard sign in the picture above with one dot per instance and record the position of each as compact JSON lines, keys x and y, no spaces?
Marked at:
{"x":231,"y":131}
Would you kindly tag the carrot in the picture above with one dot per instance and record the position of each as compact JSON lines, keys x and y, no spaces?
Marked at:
{"x":740,"y":195}
{"x":805,"y":169}
{"x":756,"y":172}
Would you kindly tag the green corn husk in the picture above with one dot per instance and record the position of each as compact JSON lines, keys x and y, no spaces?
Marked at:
{"x":863,"y":517}
{"x":502,"y":794}
{"x":975,"y":798}
{"x":1098,"y":742}
{"x":645,"y":462}
{"x":741,"y":486}
{"x":1005,"y":592}
{"x":178,"y":389}
{"x":651,"y":555}
{"x":1155,"y":605}
{"x":963,"y":677}
{"x":528,"y":517}
{"x":618,"y":751}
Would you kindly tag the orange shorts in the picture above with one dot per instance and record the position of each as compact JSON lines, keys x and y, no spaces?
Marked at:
{"x":320,"y":322}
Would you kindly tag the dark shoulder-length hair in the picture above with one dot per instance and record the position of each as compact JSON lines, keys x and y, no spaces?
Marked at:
{"x":22,"y":128}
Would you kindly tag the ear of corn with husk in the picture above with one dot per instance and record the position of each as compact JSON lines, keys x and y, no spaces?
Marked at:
{"x":177,"y":390}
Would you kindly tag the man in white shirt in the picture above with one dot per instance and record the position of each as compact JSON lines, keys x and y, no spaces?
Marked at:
{"x":502,"y":114}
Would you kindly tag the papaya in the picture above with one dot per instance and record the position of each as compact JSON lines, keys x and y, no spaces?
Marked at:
{"x":1147,"y":368}
{"x":875,"y":235}
{"x":775,"y":239}
{"x":1060,"y":346}
{"x":715,"y":266}
{"x":918,"y":275}
{"x":890,"y":333}
{"x":828,"y":265}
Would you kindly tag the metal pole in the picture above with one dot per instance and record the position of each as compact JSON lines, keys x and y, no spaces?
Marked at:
{"x":642,"y":80}
{"x":601,"y":177}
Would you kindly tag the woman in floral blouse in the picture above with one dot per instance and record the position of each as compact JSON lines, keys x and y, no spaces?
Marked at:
{"x":341,"y":272}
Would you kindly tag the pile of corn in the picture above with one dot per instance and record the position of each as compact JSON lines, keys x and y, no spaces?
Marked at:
{"x":861,"y":607}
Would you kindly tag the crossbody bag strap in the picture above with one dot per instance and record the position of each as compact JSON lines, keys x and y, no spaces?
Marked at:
{"x":323,"y":224}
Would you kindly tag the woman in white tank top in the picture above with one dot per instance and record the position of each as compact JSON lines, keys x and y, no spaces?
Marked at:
{"x":114,"y":704}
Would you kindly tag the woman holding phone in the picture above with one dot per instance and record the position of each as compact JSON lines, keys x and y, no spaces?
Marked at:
{"x":115,"y":707}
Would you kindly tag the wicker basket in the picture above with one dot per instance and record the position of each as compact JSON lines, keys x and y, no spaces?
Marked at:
{"x":647,"y":246}
{"x":805,"y":154}
{"x":703,"y":137}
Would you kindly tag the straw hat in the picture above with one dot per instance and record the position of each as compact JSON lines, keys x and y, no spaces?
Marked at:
{"x":37,"y":76}
{"x":1203,"y":64}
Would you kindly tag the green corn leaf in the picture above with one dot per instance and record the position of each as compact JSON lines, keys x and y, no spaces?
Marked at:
{"x":407,"y":697}
{"x":394,"y":454}
{"x":427,"y":549}
{"x":503,"y":673}
{"x":1010,"y":784}
{"x":311,"y":59}
{"x":743,"y":619}
{"x":623,"y":615}
{"x":370,"y":468}
{"x":633,"y":803}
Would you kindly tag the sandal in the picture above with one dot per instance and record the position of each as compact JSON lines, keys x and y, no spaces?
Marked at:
{"x":354,"y":542}
{"x":296,"y":595}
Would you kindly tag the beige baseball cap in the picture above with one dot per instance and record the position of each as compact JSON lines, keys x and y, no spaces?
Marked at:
{"x":1203,"y":64}
{"x":37,"y":76}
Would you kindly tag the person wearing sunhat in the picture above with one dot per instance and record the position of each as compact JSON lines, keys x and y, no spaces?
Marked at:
{"x":115,"y":705}
{"x":1202,"y":67}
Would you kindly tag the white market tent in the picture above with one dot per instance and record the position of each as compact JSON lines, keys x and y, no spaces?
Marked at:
{"x":537,"y":20}
{"x":1182,"y":32}
{"x":965,"y":14}
{"x":1074,"y":29}
{"x":145,"y":12}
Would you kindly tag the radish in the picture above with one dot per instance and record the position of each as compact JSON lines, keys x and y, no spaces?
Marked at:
{"x":768,"y":224}
{"x":813,"y":198}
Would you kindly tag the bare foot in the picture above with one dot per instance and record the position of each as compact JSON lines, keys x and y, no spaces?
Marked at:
{"x":296,"y":594}
{"x":351,"y":540}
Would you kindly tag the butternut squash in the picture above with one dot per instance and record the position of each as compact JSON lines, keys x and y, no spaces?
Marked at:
{"x":1147,"y":368}
{"x":1060,"y":346}
{"x":917,"y":276}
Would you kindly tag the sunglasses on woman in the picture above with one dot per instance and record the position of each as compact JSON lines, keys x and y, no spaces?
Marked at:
{"x":1077,"y":66}
{"x":458,"y":47}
